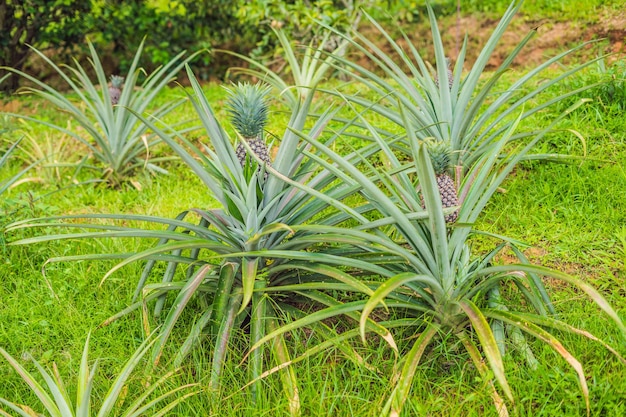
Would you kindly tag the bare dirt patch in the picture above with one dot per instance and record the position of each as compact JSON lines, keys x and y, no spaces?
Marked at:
{"x":550,"y":39}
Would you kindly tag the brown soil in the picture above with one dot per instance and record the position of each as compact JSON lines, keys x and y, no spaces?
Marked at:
{"x":551,"y":38}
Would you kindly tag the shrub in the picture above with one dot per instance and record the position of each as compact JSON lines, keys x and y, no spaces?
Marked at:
{"x":55,"y":397}
{"x":111,"y":130}
{"x":38,"y":23}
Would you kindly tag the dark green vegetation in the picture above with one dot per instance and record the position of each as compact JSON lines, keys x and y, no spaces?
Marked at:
{"x":61,"y":27}
{"x":116,"y":27}
{"x":264,"y":251}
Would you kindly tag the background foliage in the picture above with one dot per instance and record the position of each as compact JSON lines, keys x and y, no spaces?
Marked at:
{"x":38,"y":22}
{"x":242,"y":26}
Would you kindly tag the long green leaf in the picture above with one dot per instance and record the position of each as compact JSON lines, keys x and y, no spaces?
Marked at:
{"x":488,"y":344}
{"x":390,"y":285}
{"x":436,"y":221}
{"x":484,"y":372}
{"x":45,"y":398}
{"x":591,"y":292}
{"x":518,"y":318}
{"x":137,"y":409}
{"x":258,"y":326}
{"x":222,"y":294}
{"x":23,"y":410}
{"x":84,"y":383}
{"x":553,"y":342}
{"x":112,"y":395}
{"x":402,"y":390}
{"x":249,"y":270}
{"x":183,"y":298}
{"x":308,"y":320}
{"x":221,"y":344}
{"x":288,"y":376}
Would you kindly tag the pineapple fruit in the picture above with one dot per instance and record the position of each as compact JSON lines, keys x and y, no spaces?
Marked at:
{"x":450,"y":75}
{"x":439,"y":152}
{"x":247,"y":106}
{"x":115,"y":90}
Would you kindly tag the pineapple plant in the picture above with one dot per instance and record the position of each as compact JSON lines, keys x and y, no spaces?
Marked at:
{"x":115,"y":90}
{"x":450,"y":75}
{"x":440,"y":156}
{"x":248,"y":108}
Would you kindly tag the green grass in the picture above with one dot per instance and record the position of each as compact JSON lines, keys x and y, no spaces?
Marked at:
{"x":571,"y":215}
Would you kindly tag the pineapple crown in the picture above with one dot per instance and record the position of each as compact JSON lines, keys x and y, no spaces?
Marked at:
{"x":440,"y":154}
{"x":117,"y":81}
{"x":247,"y":106}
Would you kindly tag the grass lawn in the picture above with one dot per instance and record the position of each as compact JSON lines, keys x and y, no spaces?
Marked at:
{"x":571,"y":216}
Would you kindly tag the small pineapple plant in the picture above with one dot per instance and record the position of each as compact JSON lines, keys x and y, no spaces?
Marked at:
{"x":248,"y":108}
{"x":440,"y":156}
{"x":115,"y":90}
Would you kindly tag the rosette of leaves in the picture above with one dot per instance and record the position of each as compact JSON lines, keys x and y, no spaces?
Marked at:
{"x":470,"y":112}
{"x":113,"y":134}
{"x":55,"y":396}
{"x":251,"y":258}
{"x":439,"y":290}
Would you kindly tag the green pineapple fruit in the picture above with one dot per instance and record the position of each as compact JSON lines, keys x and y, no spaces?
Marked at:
{"x":247,"y":106}
{"x":450,"y":75}
{"x":439,"y":152}
{"x":115,"y":90}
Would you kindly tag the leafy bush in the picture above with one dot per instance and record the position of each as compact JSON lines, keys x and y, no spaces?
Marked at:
{"x":168,"y":28}
{"x":110,"y":127}
{"x":467,"y":113}
{"x":38,"y":23}
{"x":248,"y":258}
{"x":56,"y":398}
{"x":437,"y":288}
